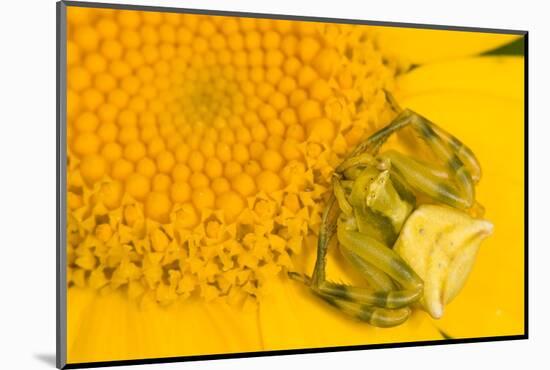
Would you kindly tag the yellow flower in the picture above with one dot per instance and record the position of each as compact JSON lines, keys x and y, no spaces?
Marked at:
{"x":200,"y":151}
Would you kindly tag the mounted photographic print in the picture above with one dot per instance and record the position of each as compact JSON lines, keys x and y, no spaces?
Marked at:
{"x":235,"y":184}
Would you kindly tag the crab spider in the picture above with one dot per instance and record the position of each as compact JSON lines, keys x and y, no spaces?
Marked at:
{"x":373,"y":195}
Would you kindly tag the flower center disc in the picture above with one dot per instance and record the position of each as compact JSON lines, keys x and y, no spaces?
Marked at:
{"x":200,"y":148}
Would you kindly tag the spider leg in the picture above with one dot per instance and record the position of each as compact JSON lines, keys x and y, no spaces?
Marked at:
{"x":385,"y":296}
{"x":462,"y":151}
{"x":362,"y":251}
{"x":458,"y":191}
{"x":392,"y":101}
{"x":374,"y":142}
{"x":340,"y":196}
{"x":461,"y":194}
{"x":421,"y":177}
{"x":362,"y":159}
{"x":366,"y":253}
{"x":378,"y":280}
{"x":380,"y":305}
{"x":376,"y":316}
{"x":326,"y":233}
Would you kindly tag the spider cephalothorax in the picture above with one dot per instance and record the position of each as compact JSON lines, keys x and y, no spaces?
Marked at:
{"x":374,"y":199}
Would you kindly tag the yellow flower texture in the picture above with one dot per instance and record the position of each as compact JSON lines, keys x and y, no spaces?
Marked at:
{"x":200,"y":151}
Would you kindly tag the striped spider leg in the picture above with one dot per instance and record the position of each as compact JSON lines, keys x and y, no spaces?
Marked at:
{"x":455,"y":186}
{"x":362,"y":228}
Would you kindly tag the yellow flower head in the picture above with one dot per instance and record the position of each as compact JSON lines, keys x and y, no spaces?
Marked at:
{"x":200,"y":155}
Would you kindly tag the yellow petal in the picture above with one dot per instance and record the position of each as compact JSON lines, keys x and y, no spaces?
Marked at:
{"x":420,"y":46}
{"x":492,"y":301}
{"x":78,"y":303}
{"x":292,"y":317}
{"x":494,"y":76}
{"x":112,"y":327}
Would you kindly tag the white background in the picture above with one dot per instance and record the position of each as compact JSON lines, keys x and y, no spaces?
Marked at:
{"x":27,"y":181}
